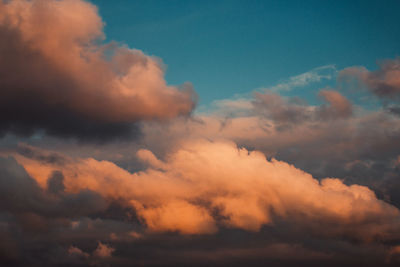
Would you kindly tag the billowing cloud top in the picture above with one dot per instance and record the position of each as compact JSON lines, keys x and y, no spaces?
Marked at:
{"x":56,"y":75}
{"x":205,"y":184}
{"x":201,"y":193}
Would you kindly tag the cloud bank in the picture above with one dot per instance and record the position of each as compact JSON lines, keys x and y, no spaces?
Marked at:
{"x":201,"y":192}
{"x":203,"y":185}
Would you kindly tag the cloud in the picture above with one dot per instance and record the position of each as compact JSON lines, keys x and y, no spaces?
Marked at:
{"x":205,"y":185}
{"x":338,"y":106}
{"x":285,"y":112}
{"x":58,"y":77}
{"x":318,"y":74}
{"x":28,"y":197}
{"x":204,"y":201}
{"x":74,"y":251}
{"x":103,"y":251}
{"x":270,"y":180}
{"x":334,"y":139}
{"x":82,"y":197}
{"x":46,"y":227}
{"x":384,"y":82}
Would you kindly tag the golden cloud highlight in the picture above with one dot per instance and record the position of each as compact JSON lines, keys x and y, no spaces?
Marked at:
{"x":205,"y":185}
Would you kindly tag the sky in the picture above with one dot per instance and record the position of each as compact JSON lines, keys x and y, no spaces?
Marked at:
{"x":233,"y":47}
{"x":199,"y":133}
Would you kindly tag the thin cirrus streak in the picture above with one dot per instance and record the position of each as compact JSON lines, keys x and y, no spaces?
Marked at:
{"x":313,"y":76}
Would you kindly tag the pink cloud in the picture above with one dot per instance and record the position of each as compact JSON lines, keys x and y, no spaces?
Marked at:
{"x":244,"y":188}
{"x":59,"y":77}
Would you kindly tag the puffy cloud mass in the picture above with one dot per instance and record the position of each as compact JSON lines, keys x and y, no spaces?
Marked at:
{"x":334,"y":139}
{"x":285,"y":112}
{"x":384,"y":82}
{"x":58,"y":77}
{"x":205,"y":185}
{"x":206,"y":201}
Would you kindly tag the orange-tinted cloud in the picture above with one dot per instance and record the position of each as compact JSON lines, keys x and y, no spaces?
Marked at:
{"x":59,"y":77}
{"x":103,"y":251}
{"x":204,"y":184}
{"x":338,"y":106}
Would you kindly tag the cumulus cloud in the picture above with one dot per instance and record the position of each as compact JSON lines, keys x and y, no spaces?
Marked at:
{"x":100,"y":254}
{"x":384,"y":82}
{"x":336,"y":138}
{"x":337,"y":105}
{"x":47,"y":227}
{"x":74,"y":251}
{"x":236,"y":206}
{"x":58,"y":77}
{"x":36,"y":209}
{"x":286,"y":112}
{"x":103,"y":251}
{"x":204,"y":185}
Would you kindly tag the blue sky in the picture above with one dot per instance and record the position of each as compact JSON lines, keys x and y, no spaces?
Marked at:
{"x":233,"y":47}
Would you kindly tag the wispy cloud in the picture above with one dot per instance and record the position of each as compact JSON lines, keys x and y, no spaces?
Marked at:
{"x":315,"y":75}
{"x":242,"y":103}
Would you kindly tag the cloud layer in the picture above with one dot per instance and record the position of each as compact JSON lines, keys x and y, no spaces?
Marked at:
{"x":201,"y":192}
{"x":206,"y":184}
